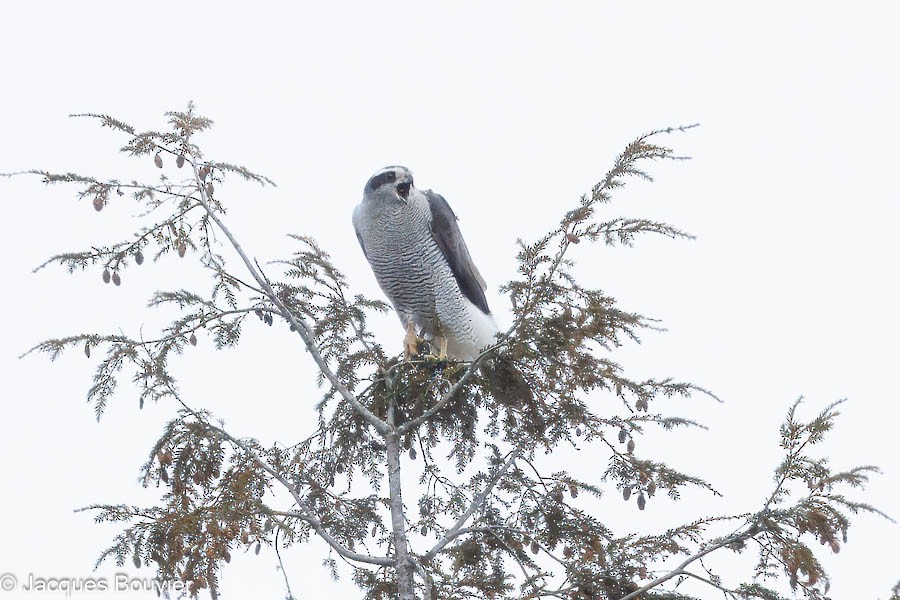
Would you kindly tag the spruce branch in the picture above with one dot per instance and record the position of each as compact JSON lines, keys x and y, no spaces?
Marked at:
{"x":681,"y":568}
{"x":299,"y":325}
{"x":306,"y":513}
{"x":477,"y":503}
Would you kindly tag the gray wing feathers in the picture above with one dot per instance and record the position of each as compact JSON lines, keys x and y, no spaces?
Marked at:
{"x":356,"y":218}
{"x":446,"y":233}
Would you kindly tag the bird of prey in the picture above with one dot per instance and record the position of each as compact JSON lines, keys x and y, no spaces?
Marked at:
{"x":412,"y":240}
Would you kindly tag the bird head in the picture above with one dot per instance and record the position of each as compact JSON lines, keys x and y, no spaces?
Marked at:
{"x":393,"y":183}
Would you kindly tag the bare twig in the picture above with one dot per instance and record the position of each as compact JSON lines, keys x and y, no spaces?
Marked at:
{"x":287,"y":583}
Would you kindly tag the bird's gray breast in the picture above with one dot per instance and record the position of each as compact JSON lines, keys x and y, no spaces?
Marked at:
{"x":409,"y":265}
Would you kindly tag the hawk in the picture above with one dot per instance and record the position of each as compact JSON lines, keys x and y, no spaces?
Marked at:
{"x":413,"y":243}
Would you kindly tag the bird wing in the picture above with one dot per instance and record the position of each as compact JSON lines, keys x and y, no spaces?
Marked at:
{"x":445,"y":232}
{"x":356,"y":218}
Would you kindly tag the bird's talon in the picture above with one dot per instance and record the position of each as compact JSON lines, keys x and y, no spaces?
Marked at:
{"x":411,"y":341}
{"x":442,"y":347}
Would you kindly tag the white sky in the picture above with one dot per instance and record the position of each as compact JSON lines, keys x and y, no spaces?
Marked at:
{"x":510,"y":112}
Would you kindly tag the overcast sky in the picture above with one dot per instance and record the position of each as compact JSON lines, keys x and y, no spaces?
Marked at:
{"x":511,"y":112}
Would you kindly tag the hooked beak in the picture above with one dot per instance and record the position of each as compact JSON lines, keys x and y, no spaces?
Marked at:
{"x":403,"y":189}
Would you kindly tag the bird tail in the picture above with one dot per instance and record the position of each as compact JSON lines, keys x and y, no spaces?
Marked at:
{"x":509,"y":387}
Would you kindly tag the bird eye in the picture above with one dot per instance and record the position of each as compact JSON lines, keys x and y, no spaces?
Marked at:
{"x":403,"y":189}
{"x":381,"y":179}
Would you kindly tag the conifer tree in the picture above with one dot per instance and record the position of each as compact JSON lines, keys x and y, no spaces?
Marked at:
{"x":487,"y":518}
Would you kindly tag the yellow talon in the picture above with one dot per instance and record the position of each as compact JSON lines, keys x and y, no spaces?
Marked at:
{"x":442,"y":347}
{"x":411,"y":341}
